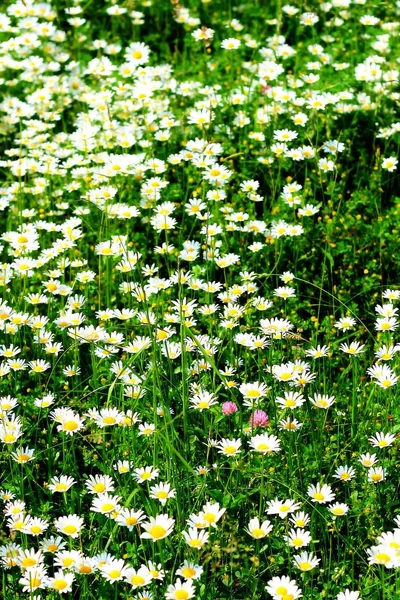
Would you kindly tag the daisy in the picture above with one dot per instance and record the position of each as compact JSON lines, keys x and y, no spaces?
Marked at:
{"x":253,"y":391}
{"x":265,"y":443}
{"x":114,"y":570}
{"x":290,"y":400}
{"x":345,"y":323}
{"x":229,"y":447}
{"x":353,"y":348}
{"x":257,"y":530}
{"x":70,"y":525}
{"x":211,"y":513}
{"x":382,"y":440}
{"x":99,"y":484}
{"x":322,"y":401}
{"x":61,"y":484}
{"x":128,"y":517}
{"x":376,"y":474}
{"x":281,"y":588}
{"x":282,"y":508}
{"x":306,"y":561}
{"x":368,"y":460}
{"x":348,"y":595}
{"x":298,"y":538}
{"x":105,"y":504}
{"x":196,"y":538}
{"x":158,"y":528}
{"x":345,"y":473}
{"x":162,"y":492}
{"x":138,"y":577}
{"x":62,"y":582}
{"x":320,"y":493}
{"x":180,"y":590}
{"x":338,"y":509}
{"x":190,"y":570}
{"x":230,"y":44}
{"x":300,"y":519}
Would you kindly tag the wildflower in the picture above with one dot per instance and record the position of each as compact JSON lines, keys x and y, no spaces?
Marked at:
{"x":114,"y":570}
{"x":70,"y":525}
{"x":99,"y":484}
{"x":129,"y":518}
{"x":281,"y":588}
{"x":180,"y":590}
{"x":376,"y":474}
{"x":257,"y":530}
{"x":300,"y":519}
{"x":61,"y":484}
{"x":105,"y":503}
{"x":322,"y":401}
{"x":390,"y":164}
{"x":258,"y":419}
{"x":157,"y":528}
{"x":345,"y":473}
{"x":298,"y":538}
{"x":138,"y":577}
{"x":318,"y":352}
{"x":338,"y":509}
{"x":212,"y":513}
{"x":23,"y":455}
{"x":348,"y":595}
{"x":142,"y":474}
{"x":290,"y":400}
{"x":282,"y":508}
{"x":230,"y":44}
{"x":162,"y":492}
{"x":368,"y":460}
{"x":265,"y":443}
{"x":229,"y":408}
{"x":195,"y":538}
{"x":382,"y":440}
{"x":320,"y":493}
{"x":190,"y":570}
{"x":306,"y":561}
{"x":62,"y":582}
{"x":383,"y":555}
{"x":229,"y":447}
{"x":345,"y":323}
{"x":353,"y":348}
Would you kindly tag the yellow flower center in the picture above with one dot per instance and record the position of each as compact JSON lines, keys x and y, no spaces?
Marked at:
{"x":258,"y":533}
{"x":108,"y":507}
{"x":297,"y":542}
{"x":28,"y":562}
{"x":85,"y":569}
{"x":230,"y":450}
{"x":188,"y":572}
{"x":209,"y":517}
{"x":70,"y":425}
{"x":70,"y":529}
{"x":137,"y":580}
{"x":305,"y":566}
{"x":157,"y":532}
{"x":114,"y":574}
{"x":162,"y":494}
{"x":318,"y":496}
{"x":109,"y":420}
{"x":181,"y":594}
{"x":60,"y":584}
{"x":382,"y":557}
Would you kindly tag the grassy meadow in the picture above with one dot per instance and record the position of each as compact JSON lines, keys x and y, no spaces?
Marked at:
{"x":199,"y":291}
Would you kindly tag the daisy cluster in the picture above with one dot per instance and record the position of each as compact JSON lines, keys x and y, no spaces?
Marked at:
{"x":171,"y":392}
